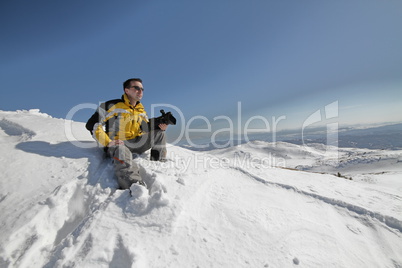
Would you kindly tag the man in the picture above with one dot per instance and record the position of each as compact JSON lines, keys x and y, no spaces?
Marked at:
{"x":127,"y":131}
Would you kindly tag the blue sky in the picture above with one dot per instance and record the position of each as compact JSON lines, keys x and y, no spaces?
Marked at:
{"x":278,"y":58}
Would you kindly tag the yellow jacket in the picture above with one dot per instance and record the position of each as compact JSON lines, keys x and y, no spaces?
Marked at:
{"x":117,"y":120}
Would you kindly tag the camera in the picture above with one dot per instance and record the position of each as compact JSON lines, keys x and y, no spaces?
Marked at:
{"x":165,"y":118}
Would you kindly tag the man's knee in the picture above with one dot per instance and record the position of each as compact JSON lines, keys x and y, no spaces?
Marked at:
{"x":120,"y":154}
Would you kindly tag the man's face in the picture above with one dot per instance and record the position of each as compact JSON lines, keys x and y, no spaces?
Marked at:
{"x":135,"y":91}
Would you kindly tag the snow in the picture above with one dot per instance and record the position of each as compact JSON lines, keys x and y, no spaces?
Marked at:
{"x":259,"y":204}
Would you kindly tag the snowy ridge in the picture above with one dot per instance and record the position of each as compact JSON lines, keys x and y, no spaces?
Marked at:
{"x":389,"y":221}
{"x":245,"y":206}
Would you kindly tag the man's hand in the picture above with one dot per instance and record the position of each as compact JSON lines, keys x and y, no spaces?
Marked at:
{"x":115,"y":143}
{"x":163,"y":126}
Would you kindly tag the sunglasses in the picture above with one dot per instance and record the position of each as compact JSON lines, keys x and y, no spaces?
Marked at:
{"x":138,"y":88}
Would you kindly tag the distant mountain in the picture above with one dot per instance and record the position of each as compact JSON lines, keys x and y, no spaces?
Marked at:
{"x":383,"y":137}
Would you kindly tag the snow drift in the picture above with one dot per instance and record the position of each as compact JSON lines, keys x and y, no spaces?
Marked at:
{"x":232,"y":207}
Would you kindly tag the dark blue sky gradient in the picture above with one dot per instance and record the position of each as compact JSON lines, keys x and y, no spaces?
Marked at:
{"x":275,"y":57}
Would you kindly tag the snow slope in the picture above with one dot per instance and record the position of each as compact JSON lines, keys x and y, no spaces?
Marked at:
{"x":255,"y":205}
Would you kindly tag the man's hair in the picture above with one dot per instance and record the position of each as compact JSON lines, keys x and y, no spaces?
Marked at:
{"x":127,"y":83}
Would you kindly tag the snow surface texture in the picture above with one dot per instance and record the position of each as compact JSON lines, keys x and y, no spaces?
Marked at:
{"x":222,"y":208}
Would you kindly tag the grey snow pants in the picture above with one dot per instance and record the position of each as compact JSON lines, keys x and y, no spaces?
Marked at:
{"x":127,"y":171}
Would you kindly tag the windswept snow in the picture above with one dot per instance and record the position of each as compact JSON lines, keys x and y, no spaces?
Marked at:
{"x":256,"y":205}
